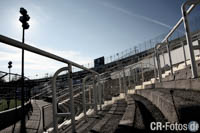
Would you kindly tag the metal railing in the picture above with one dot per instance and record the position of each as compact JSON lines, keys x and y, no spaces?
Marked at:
{"x":94,"y":104}
{"x":69,"y":63}
{"x":165,"y":41}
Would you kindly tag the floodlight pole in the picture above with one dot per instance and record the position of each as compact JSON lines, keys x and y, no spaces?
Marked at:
{"x":23,"y":126}
{"x":23,"y":19}
{"x":9,"y":74}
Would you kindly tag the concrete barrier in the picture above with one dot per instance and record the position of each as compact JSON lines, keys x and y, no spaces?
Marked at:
{"x":177,"y":105}
{"x":192,"y":84}
{"x":162,"y":102}
{"x":11,"y":116}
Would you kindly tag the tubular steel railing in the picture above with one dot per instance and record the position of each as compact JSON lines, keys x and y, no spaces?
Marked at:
{"x":164,"y":42}
{"x":69,"y":63}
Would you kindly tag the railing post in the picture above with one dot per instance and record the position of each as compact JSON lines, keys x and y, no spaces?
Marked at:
{"x":103,"y":91}
{"x":158,"y":65}
{"x":71,"y":98}
{"x":84,"y":101}
{"x":90,"y":95}
{"x":124,"y":82}
{"x":99,"y":92}
{"x":55,"y":122}
{"x":170,"y":59}
{"x":188,"y":38}
{"x":95,"y":94}
{"x":142,"y":72}
{"x":129,"y":79}
{"x":99,"y":95}
{"x":136,"y":74}
{"x":120,"y":85}
{"x":184,"y":54}
{"x":154,"y":63}
{"x":163,"y":55}
{"x":55,"y":112}
{"x":199,"y":45}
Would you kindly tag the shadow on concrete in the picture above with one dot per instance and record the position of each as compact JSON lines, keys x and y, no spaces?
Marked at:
{"x":189,"y":113}
{"x":145,"y":113}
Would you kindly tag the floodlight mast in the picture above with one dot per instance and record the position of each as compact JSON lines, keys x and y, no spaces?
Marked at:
{"x":23,"y":19}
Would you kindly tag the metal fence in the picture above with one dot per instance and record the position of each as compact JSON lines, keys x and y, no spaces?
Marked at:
{"x":178,"y":33}
{"x":10,"y":90}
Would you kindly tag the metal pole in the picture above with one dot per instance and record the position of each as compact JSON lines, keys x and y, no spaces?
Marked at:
{"x":55,"y":121}
{"x":90,"y":95}
{"x":170,"y":59}
{"x":99,"y":95}
{"x":103,"y":87}
{"x":158,"y":64}
{"x":95,"y":95}
{"x":84,"y":101}
{"x":189,"y":42}
{"x":99,"y":91}
{"x":142,"y":72}
{"x":120,"y":86}
{"x":71,"y":98}
{"x":23,"y":126}
{"x":199,"y":45}
{"x":9,"y":74}
{"x":136,"y":74}
{"x":185,"y":60}
{"x":163,"y":58}
{"x":129,"y":78}
{"x":124,"y":82}
{"x":154,"y":62}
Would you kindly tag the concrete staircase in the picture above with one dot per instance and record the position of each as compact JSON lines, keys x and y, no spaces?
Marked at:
{"x":105,"y":120}
{"x":132,"y":114}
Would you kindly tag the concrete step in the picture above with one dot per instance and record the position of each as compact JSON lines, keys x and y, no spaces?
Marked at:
{"x":112,"y":124}
{"x":100,"y":124}
{"x":83,"y":126}
{"x":138,"y":116}
{"x":104,"y":121}
{"x":128,"y":117}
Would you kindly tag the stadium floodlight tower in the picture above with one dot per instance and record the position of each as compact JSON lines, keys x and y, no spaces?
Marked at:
{"x":24,"y":20}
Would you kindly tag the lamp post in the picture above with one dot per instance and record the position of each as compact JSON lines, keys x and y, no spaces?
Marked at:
{"x":23,"y":19}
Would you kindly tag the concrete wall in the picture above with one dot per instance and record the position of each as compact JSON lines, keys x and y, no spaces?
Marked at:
{"x":177,"y":105}
{"x":193,"y":84}
{"x":162,"y":102}
{"x":11,"y":116}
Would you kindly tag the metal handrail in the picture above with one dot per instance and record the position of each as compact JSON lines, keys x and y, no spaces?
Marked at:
{"x":27,"y":47}
{"x":178,"y":23}
{"x":188,"y":36}
{"x":192,"y":4}
{"x":38,"y":51}
{"x":84,"y":96}
{"x":55,"y":112}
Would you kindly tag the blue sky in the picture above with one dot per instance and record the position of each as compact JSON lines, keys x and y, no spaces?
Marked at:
{"x":82,"y":30}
